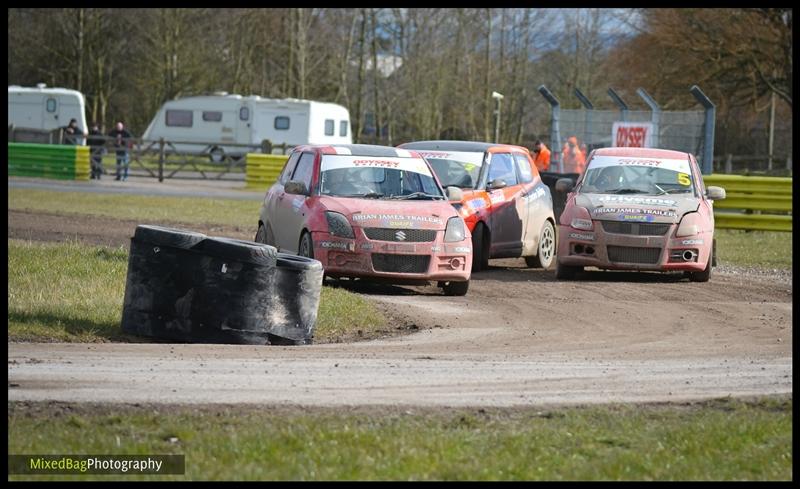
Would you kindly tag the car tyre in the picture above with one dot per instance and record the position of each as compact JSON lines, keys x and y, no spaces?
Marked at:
{"x":178,"y":238}
{"x":306,"y":247}
{"x":240,"y":250}
{"x":480,"y":248}
{"x":566,"y":272}
{"x":705,"y":274}
{"x":456,"y":288}
{"x":546,"y":253}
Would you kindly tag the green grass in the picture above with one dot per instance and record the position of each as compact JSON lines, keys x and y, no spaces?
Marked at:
{"x":73,"y":292}
{"x":188,"y":210}
{"x":719,"y":440}
{"x":754,"y":248}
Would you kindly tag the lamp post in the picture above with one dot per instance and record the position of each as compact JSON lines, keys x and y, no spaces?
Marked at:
{"x":497,"y":96}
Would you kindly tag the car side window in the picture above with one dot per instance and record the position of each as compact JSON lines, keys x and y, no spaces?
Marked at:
{"x":524,"y":167}
{"x":305,"y":169}
{"x":289,"y":168}
{"x":502,"y":167}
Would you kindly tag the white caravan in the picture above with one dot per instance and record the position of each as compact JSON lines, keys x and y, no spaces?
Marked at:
{"x":45,"y":108}
{"x":211,"y":121}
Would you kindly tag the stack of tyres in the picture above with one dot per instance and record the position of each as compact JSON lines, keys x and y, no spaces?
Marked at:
{"x":185,"y":286}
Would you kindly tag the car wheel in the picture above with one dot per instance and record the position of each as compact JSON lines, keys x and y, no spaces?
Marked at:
{"x":705,"y":274}
{"x":480,"y":248}
{"x":239,"y":250}
{"x":456,"y":288}
{"x":306,"y":247}
{"x":547,"y":249}
{"x":178,"y":238}
{"x":566,"y":272}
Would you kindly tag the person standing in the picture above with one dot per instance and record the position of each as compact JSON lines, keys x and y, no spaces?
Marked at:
{"x":572,"y":157}
{"x":96,"y":143}
{"x":73,"y":133}
{"x":122,"y":140}
{"x":542,"y":156}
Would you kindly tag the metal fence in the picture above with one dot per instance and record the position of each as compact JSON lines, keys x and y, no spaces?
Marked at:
{"x":691,"y":131}
{"x":160,"y":159}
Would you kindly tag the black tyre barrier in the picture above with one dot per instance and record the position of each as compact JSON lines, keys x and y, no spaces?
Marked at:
{"x":158,"y":235}
{"x":218,"y":290}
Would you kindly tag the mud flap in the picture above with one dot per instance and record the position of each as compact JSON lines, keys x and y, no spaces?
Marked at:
{"x":219,"y":290}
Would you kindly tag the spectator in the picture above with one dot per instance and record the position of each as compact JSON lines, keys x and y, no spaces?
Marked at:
{"x":122,"y":141}
{"x":97,"y":144}
{"x":572,"y":157}
{"x":542,"y":156}
{"x":73,"y":133}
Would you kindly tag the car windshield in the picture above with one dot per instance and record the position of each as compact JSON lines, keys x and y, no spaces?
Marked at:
{"x":455,"y":168}
{"x":615,"y":175}
{"x":378,"y":178}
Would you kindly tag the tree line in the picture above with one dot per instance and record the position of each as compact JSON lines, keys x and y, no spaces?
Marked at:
{"x":409,"y":74}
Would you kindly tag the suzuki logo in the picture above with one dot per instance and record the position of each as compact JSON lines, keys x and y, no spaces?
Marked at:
{"x":400,"y":235}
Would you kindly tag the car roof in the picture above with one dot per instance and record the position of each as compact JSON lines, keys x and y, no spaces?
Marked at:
{"x":458,"y":145}
{"x":641,"y":153}
{"x":358,"y":150}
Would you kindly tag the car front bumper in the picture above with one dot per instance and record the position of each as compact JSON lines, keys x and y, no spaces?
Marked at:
{"x":601,"y":249}
{"x":393,"y":260}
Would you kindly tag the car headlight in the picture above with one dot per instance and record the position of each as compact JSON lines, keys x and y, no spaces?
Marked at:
{"x":689,"y":226}
{"x":454,"y":230}
{"x":585,"y":224}
{"x":338,"y":225}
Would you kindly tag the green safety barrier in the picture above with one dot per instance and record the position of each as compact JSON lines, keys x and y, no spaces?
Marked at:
{"x":763,"y":203}
{"x":262,"y":170}
{"x":747,"y":184}
{"x":57,"y":161}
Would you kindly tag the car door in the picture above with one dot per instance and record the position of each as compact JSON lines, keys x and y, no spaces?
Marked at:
{"x":276,"y":195}
{"x":532,"y":203}
{"x":506,"y":220}
{"x":290,"y":208}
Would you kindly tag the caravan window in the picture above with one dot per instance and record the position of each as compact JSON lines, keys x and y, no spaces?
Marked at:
{"x":179,"y":118}
{"x":244,"y":113}
{"x":342,"y":128}
{"x":329,"y":127}
{"x":212,"y":116}
{"x":51,"y":105}
{"x":282,"y":122}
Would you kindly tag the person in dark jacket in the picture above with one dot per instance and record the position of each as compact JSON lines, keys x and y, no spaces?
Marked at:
{"x":122,"y":140}
{"x":73,"y":133}
{"x":96,"y":142}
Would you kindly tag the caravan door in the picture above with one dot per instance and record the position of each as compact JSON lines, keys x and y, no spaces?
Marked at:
{"x":244,"y":123}
{"x":51,"y":106}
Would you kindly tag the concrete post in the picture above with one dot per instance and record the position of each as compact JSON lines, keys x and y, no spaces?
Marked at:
{"x":655,"y":118}
{"x":710,"y":121}
{"x":623,"y":107}
{"x":587,"y":126}
{"x":555,"y":135}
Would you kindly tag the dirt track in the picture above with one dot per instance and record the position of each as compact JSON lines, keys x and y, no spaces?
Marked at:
{"x":518,"y":338}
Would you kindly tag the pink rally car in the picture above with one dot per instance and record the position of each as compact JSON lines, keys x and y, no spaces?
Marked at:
{"x":638,"y":209}
{"x":368,"y":212}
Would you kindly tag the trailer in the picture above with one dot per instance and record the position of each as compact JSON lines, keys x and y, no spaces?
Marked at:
{"x":220,"y":124}
{"x":45,"y":109}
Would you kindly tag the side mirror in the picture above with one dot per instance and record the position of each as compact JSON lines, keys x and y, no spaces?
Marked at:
{"x":497,"y":183}
{"x":454,"y":194}
{"x":715,"y":193}
{"x":295,"y":187}
{"x":564,"y":185}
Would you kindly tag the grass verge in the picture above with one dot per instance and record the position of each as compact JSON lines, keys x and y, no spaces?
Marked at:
{"x":73,"y":292}
{"x":717,"y":440}
{"x":143,"y":208}
{"x":762,"y":249}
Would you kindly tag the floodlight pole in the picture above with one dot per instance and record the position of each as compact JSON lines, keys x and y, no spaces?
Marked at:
{"x":555,"y":136}
{"x":707,"y":164}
